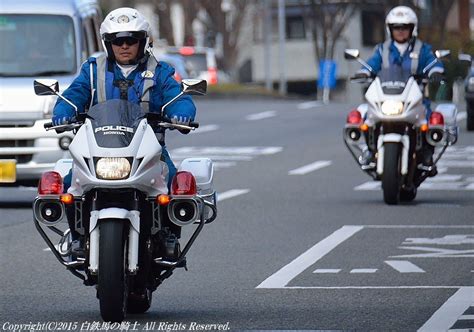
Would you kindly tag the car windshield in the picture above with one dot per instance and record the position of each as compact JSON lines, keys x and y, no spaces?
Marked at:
{"x":393,"y":80}
{"x":37,"y":45}
{"x":115,"y":122}
{"x":195,"y":64}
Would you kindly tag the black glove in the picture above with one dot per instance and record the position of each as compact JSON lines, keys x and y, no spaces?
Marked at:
{"x":360,"y":75}
{"x":436,"y":78}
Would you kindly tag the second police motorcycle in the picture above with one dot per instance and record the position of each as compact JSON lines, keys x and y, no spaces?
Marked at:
{"x":120,"y":204}
{"x":392,"y":127}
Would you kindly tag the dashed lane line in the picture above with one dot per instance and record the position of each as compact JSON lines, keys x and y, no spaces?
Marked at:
{"x":261,"y":116}
{"x":205,"y":129}
{"x":231,"y":193}
{"x":310,"y":168}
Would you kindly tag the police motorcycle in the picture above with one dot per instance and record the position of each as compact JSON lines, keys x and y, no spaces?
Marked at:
{"x":391,"y":127}
{"x":119,"y":201}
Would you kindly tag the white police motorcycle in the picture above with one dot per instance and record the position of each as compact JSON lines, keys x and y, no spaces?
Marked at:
{"x":391,"y":127}
{"x":120,"y":204}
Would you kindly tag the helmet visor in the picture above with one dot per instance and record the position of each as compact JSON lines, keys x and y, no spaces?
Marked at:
{"x":401,"y":27}
{"x":138,"y":35}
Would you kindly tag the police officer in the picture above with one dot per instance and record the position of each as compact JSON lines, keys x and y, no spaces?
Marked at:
{"x":126,"y":71}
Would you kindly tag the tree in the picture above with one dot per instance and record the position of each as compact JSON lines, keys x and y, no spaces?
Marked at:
{"x":327,"y":21}
{"x":224,"y":18}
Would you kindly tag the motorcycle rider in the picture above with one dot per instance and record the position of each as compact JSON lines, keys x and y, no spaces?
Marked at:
{"x":127,"y":71}
{"x":403,"y":49}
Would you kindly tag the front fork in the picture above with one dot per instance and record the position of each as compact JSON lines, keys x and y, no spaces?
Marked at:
{"x":133,"y":237}
{"x":404,"y":140}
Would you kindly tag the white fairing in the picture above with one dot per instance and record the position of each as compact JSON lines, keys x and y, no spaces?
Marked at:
{"x":414,"y":110}
{"x":148,"y":174}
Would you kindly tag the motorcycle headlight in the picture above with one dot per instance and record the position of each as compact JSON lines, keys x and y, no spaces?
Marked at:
{"x":112,"y":168}
{"x":392,"y":107}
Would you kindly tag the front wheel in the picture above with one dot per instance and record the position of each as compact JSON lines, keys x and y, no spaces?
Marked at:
{"x":391,"y":176}
{"x":112,"y":281}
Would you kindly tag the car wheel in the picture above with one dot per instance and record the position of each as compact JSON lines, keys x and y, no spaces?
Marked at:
{"x":470,"y":116}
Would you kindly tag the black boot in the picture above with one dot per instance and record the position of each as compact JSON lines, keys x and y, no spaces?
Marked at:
{"x":427,"y":163}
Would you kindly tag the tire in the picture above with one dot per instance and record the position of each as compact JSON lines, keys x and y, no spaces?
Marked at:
{"x":112,"y":282}
{"x":470,"y":116}
{"x":408,"y":195}
{"x":391,"y":173}
{"x":139,"y":304}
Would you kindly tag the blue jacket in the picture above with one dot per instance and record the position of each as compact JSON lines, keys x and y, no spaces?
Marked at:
{"x":164,"y":89}
{"x":426,"y":56}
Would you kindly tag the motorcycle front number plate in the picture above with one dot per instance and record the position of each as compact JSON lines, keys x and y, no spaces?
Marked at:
{"x":7,"y":171}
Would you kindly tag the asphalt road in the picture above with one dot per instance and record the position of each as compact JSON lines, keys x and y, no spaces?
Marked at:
{"x":303,"y":239}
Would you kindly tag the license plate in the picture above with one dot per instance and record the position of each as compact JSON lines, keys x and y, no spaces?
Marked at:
{"x":7,"y":171}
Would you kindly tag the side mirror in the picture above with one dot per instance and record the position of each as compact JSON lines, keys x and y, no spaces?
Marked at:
{"x":194,"y":87}
{"x":442,"y":53}
{"x":46,"y":87}
{"x":351,"y":54}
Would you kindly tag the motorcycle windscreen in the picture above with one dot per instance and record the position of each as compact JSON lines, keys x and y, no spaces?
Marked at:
{"x":115,"y":122}
{"x":394,"y":79}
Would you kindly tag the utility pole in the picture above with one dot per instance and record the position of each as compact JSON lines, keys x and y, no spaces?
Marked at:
{"x":281,"y":46}
{"x":267,"y":33}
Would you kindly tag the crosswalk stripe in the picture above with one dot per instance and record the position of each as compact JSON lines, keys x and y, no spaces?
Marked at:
{"x":309,"y":104}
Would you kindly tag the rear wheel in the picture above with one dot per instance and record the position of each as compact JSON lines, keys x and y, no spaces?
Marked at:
{"x":391,"y":173}
{"x":112,"y":281}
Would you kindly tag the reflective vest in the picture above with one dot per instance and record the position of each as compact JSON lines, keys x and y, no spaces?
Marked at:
{"x":137,"y":91}
{"x":415,"y":54}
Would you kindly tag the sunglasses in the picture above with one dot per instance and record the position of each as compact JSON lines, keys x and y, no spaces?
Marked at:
{"x":130,"y":41}
{"x":401,"y":27}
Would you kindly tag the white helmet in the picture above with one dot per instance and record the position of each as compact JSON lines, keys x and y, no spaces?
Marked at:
{"x":125,"y":22}
{"x":402,"y":15}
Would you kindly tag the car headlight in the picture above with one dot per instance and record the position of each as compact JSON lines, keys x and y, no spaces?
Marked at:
{"x":470,"y":84}
{"x":112,"y":168}
{"x":392,"y":107}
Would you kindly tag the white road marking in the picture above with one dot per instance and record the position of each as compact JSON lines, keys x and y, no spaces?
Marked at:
{"x":405,"y":267}
{"x":327,"y":271}
{"x":449,"y":312}
{"x":428,"y":185}
{"x":363,"y":270}
{"x":456,"y":163}
{"x":205,"y":129}
{"x":369,"y":185}
{"x":373,"y":287}
{"x":281,"y":278}
{"x":222,"y":156}
{"x":436,"y":253}
{"x":310,"y":168}
{"x":464,"y":317}
{"x":261,"y":116}
{"x":461,"y":116}
{"x":309,"y":104}
{"x":443,"y":241}
{"x":231,"y":193}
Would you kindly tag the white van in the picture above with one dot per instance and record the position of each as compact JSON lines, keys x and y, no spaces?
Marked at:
{"x":41,"y":39}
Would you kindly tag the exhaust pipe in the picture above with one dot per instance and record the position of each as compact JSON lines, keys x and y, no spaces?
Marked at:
{"x":48,"y":211}
{"x":183,"y":211}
